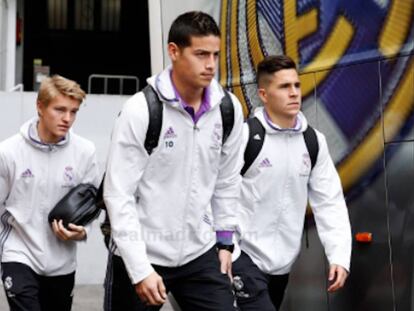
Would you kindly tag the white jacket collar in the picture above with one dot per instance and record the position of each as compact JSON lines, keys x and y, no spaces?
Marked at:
{"x":29,"y":131}
{"x":259,"y":113}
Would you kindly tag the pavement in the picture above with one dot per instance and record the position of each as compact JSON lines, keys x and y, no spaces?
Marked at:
{"x":86,"y":298}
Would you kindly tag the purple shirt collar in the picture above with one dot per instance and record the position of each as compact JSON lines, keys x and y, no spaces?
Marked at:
{"x":295,"y":128}
{"x":204,"y":106}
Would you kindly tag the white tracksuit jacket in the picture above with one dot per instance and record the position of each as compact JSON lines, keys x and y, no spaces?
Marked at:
{"x":33,"y":178}
{"x":275,"y":192}
{"x":159,"y":205}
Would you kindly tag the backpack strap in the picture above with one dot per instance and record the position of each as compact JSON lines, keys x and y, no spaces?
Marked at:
{"x":256,"y":140}
{"x":227,"y":115}
{"x":155,"y":108}
{"x":254,"y":144}
{"x":311,"y":141}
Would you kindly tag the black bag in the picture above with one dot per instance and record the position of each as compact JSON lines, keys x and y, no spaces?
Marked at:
{"x":78,"y":206}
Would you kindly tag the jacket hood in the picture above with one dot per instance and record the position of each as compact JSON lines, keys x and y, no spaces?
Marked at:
{"x":29,"y":132}
{"x":260,"y":114}
{"x":163,"y":85}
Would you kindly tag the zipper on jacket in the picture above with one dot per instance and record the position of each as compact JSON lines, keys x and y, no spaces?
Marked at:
{"x":287,"y":138}
{"x":196,"y":129}
{"x":190,"y":188}
{"x":42,"y":213}
{"x":188,"y":194}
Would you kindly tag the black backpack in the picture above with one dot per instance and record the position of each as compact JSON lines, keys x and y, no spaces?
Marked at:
{"x":155,"y":108}
{"x":257,"y":137}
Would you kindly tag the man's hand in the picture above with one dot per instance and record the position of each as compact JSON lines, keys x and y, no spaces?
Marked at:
{"x":75,"y":233}
{"x":151,"y":290}
{"x":225,"y":262}
{"x":337,"y":277}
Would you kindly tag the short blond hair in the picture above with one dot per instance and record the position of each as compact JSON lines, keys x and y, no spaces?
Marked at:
{"x":58,"y":85}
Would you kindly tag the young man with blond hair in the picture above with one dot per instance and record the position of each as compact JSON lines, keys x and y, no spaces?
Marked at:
{"x":38,"y":166}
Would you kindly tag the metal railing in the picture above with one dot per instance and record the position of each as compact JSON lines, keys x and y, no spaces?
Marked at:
{"x":108,"y":77}
{"x":18,"y":87}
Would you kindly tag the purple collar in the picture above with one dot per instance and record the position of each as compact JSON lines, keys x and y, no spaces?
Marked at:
{"x":204,"y":106}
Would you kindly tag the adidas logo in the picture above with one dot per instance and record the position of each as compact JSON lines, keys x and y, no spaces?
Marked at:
{"x":27,"y":174}
{"x":265,"y":163}
{"x":257,"y":137}
{"x":170,"y":133}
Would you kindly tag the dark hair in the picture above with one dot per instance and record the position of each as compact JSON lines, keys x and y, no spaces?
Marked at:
{"x":194,"y":23}
{"x":271,"y":64}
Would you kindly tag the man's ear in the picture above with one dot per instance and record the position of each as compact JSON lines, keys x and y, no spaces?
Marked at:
{"x":39,"y":106}
{"x":173,"y":50}
{"x":262,"y":95}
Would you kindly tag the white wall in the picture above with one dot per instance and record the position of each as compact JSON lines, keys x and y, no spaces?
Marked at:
{"x":3,"y":41}
{"x":7,"y":43}
{"x":94,"y":121}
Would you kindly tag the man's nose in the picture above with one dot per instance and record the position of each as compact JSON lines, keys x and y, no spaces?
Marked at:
{"x":67,"y":116}
{"x":294,"y":91}
{"x":211,"y":62}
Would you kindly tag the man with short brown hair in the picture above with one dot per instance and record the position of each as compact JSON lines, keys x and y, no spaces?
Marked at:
{"x":276,"y":188}
{"x":160,"y":205}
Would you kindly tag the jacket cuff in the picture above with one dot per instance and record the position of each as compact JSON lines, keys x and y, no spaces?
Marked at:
{"x":224,"y":237}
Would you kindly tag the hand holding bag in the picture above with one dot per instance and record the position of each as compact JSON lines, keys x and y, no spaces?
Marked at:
{"x":78,"y":206}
